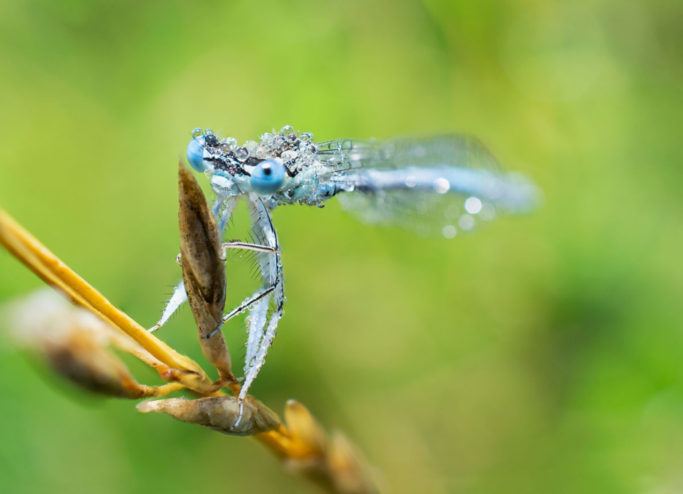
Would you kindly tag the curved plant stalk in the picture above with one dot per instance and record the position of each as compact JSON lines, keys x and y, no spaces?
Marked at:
{"x":299,"y":441}
{"x":55,"y":273}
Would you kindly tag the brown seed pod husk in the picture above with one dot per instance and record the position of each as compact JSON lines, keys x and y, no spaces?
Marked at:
{"x":94,"y":368}
{"x":203,"y":270}
{"x":218,"y":413}
{"x":76,"y":344}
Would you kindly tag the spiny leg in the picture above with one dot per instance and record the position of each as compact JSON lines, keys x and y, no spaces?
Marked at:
{"x":249,"y":302}
{"x":261,"y":337}
{"x":256,"y":321}
{"x":178,"y":298}
{"x":236,"y":244}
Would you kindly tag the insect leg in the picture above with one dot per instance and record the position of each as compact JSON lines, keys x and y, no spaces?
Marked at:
{"x":236,"y":244}
{"x":178,"y":298}
{"x":261,"y":336}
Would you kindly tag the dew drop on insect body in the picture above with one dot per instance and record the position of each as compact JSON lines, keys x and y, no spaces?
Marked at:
{"x":251,"y":147}
{"x":221,"y":185}
{"x":288,"y":156}
{"x":441,"y":185}
{"x":473,"y":205}
{"x":241,"y":154}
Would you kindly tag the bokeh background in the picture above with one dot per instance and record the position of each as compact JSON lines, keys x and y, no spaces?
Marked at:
{"x":541,"y":354}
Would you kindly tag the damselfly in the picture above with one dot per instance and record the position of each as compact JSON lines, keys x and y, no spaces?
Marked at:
{"x":445,"y":183}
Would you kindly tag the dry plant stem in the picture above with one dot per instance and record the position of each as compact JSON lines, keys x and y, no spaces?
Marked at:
{"x":54,"y":272}
{"x":39,"y":259}
{"x":302,"y":447}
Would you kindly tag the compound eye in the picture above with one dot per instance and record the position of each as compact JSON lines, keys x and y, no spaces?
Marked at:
{"x":195,"y":153}
{"x":267,"y":176}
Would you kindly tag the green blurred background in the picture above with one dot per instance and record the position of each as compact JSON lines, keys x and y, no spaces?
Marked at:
{"x":541,"y":354}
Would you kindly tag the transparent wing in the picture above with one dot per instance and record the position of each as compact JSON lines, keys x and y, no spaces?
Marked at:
{"x":458,"y":150}
{"x":440,"y":184}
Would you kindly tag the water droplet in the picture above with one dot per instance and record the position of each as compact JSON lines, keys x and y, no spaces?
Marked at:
{"x":441,"y":185}
{"x":449,"y":231}
{"x":208,"y":132}
{"x":231,"y":142}
{"x":251,"y":147}
{"x":241,"y":154}
{"x":411,"y":181}
{"x":221,"y":185}
{"x":466,"y":222}
{"x":196,"y":132}
{"x":288,"y":156}
{"x":473,"y":205}
{"x":306,"y":136}
{"x":287,"y":129}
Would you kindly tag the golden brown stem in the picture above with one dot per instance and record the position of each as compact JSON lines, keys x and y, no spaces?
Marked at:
{"x":303,"y":447}
{"x":54,"y":272}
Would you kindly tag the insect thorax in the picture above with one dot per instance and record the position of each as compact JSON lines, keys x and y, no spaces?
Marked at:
{"x":232,"y":163}
{"x":295,"y":149}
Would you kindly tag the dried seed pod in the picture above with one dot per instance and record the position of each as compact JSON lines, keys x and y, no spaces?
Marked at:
{"x":93,"y":368}
{"x":76,"y":344}
{"x":218,"y":413}
{"x":203,"y":270}
{"x":346,"y":468}
{"x":304,"y":427}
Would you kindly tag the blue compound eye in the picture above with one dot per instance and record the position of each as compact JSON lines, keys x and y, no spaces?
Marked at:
{"x":267,"y":176}
{"x":195,"y":153}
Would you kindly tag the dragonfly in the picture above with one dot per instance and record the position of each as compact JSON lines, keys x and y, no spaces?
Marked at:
{"x":445,"y":184}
